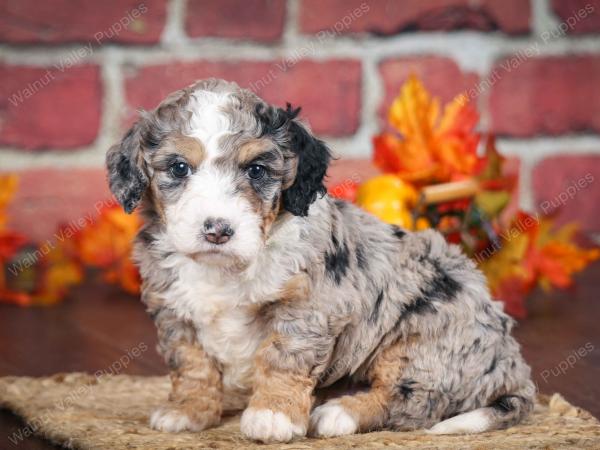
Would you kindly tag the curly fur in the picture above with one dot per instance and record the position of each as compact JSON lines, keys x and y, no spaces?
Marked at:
{"x":308,"y":292}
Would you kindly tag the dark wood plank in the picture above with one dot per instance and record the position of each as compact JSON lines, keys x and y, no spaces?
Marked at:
{"x":97,"y":326}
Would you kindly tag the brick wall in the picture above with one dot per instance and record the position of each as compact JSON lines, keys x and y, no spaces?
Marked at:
{"x":71,"y":79}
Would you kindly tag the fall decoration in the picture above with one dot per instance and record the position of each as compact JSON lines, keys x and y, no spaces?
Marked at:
{"x":433,"y":177}
{"x":41,"y":274}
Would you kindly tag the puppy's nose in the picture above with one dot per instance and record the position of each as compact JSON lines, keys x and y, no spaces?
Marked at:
{"x":217,"y":231}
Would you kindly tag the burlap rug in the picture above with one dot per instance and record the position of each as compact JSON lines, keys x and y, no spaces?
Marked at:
{"x":80,"y":411}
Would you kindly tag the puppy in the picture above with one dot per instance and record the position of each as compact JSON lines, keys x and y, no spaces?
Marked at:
{"x":264,"y":289}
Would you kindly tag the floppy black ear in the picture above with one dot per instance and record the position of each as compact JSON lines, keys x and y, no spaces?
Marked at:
{"x":126,"y":177}
{"x":313,"y":159}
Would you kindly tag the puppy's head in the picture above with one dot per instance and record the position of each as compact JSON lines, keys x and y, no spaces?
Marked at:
{"x":214,"y":166}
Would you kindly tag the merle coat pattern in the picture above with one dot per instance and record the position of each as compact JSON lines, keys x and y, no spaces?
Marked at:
{"x":304,"y":290}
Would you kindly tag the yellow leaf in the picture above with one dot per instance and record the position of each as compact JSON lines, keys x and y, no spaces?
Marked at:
{"x":492,"y":202}
{"x":61,"y":272}
{"x":507,"y":262}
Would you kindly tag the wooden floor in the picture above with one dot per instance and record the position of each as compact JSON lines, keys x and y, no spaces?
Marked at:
{"x":98,"y":325}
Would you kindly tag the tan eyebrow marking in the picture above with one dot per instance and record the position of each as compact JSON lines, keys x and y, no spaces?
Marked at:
{"x":251,"y":150}
{"x":190,"y":148}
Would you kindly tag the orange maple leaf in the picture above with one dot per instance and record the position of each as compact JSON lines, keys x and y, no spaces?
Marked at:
{"x":431,"y":148}
{"x":10,"y":241}
{"x":557,"y":258}
{"x":533,"y":254}
{"x":107,"y":244}
{"x":108,"y":239}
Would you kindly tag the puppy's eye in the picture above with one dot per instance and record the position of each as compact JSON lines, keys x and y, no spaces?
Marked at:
{"x":256,"y":171}
{"x":180,"y":169}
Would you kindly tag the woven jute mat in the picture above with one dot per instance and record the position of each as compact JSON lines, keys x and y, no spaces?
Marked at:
{"x":81,"y":411}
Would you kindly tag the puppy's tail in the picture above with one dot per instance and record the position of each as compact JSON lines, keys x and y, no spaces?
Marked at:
{"x":505,"y":411}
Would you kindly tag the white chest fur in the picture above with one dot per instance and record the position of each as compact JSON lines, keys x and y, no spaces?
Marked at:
{"x":224,"y":317}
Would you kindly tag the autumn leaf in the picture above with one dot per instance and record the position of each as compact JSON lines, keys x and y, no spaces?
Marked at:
{"x":509,"y":276}
{"x":344,"y":191}
{"x":557,"y":257}
{"x":61,"y":272}
{"x":10,"y":241}
{"x":492,"y":203}
{"x":15,"y":298}
{"x":126,"y":275}
{"x":430,"y":148}
{"x":107,"y":244}
{"x":455,"y":140}
{"x":108,"y":239}
{"x":534,"y":255}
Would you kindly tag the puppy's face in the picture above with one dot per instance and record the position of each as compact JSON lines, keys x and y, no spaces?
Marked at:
{"x":215,"y":166}
{"x":218,"y":196}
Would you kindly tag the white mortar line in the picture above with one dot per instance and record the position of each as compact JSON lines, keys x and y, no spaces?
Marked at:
{"x":174,"y":31}
{"x":526,"y":195}
{"x":471,"y":49}
{"x":113,"y":105}
{"x":290,"y":26}
{"x":543,"y":18}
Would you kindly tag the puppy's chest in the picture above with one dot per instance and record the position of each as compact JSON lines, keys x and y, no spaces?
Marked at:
{"x":228,"y":328}
{"x":232,"y":336}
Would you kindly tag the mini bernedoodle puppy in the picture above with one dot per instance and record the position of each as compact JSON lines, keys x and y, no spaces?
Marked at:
{"x":264,"y":289}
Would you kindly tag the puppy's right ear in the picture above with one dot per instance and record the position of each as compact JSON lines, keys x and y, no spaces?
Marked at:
{"x":126,"y":176}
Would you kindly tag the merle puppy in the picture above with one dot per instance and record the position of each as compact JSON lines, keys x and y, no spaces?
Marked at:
{"x":264,"y":289}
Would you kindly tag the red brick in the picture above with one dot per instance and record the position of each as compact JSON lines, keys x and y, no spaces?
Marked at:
{"x":551,"y":95}
{"x":48,"y":197}
{"x":391,"y":16}
{"x":49,"y":107}
{"x":441,"y":76}
{"x":61,"y":21}
{"x":569,"y":186}
{"x":329,"y":92}
{"x":577,"y":16}
{"x":259,"y":20}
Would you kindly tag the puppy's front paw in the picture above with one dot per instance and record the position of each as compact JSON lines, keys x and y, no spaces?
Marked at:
{"x":331,"y":419}
{"x":266,"y":425}
{"x":174,"y":420}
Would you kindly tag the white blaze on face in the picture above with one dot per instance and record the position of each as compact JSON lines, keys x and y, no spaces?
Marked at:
{"x":208,"y":122}
{"x":210,"y":192}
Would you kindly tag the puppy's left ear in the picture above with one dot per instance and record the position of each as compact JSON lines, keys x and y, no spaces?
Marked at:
{"x":313,"y":158}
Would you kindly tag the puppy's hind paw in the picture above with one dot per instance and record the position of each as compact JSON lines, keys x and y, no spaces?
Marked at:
{"x":331,"y":419}
{"x":174,"y":420}
{"x":266,"y":425}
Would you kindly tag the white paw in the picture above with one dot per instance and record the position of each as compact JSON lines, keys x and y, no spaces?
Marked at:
{"x":172,"y":421}
{"x":331,"y":419}
{"x":269,"y":426}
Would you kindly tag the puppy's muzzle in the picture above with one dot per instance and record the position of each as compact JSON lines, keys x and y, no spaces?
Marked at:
{"x":217,"y":231}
